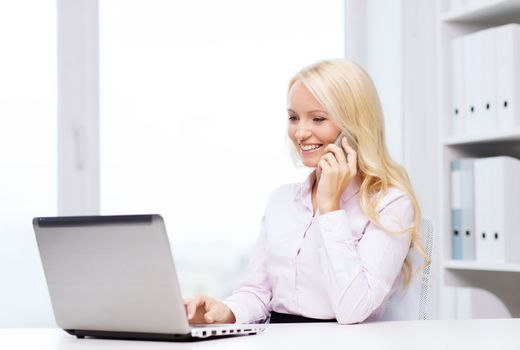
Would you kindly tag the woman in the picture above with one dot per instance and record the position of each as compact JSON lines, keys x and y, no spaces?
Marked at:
{"x":333,"y":248}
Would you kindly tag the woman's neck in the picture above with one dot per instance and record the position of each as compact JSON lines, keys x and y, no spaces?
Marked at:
{"x":317,"y":176}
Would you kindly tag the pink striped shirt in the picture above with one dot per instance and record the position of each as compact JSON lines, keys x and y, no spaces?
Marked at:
{"x":335,"y":265}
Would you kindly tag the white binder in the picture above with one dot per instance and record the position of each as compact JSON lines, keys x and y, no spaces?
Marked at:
{"x":456,"y":210}
{"x":458,"y":110}
{"x":487,"y":89}
{"x":508,"y":76}
{"x":497,"y":217}
{"x":472,"y":84}
{"x":467,"y":209}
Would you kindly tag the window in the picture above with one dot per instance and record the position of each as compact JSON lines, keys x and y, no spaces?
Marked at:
{"x":192,"y":108}
{"x":28,"y":145}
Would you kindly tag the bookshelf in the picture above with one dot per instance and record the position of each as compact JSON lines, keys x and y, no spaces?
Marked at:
{"x":480,"y":266}
{"x":501,"y":279}
{"x":493,"y":137}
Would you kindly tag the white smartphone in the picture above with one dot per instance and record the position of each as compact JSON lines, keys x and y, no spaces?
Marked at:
{"x":344,"y":133}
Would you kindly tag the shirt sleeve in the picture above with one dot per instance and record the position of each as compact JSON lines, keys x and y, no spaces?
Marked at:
{"x":359,"y":275}
{"x":249,"y":302}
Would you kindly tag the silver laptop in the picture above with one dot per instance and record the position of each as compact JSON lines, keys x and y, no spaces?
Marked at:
{"x":114,"y":277}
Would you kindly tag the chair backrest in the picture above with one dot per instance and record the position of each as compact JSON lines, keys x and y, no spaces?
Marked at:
{"x":412,"y":302}
{"x":427,"y":231}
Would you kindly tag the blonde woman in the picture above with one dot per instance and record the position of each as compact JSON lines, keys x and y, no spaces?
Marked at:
{"x":333,"y":248}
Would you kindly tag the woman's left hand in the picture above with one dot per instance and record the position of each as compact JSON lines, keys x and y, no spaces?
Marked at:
{"x":337,"y":171}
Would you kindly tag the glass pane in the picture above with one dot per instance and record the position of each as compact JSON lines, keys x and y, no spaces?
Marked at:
{"x":193,"y":121}
{"x":28,"y":156}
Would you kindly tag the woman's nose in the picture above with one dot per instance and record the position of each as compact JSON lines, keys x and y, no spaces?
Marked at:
{"x":302,"y":134}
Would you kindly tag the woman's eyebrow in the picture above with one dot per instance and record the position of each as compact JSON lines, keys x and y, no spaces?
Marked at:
{"x":317,"y":111}
{"x":311,"y":111}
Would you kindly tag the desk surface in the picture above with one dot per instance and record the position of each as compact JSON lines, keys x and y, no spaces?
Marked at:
{"x":416,"y":335}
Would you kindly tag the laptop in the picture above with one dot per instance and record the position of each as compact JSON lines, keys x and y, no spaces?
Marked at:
{"x":114,"y":277}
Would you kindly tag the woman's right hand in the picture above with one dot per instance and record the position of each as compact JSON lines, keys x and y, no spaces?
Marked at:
{"x":205,"y":309}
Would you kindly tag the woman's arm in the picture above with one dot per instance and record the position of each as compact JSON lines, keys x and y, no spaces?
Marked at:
{"x":359,"y":277}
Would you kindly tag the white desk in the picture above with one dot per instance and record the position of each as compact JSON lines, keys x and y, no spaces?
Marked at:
{"x":417,"y":335}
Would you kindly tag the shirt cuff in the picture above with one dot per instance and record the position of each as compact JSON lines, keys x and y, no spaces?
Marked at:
{"x":240,"y":312}
{"x":335,"y":227}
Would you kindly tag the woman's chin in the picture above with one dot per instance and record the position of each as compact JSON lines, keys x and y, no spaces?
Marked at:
{"x":309,"y":164}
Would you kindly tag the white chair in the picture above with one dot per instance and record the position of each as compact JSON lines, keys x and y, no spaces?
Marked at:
{"x":412,"y":302}
{"x":427,"y":230}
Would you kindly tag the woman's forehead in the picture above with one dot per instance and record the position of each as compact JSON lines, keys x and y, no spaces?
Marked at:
{"x":301,"y":99}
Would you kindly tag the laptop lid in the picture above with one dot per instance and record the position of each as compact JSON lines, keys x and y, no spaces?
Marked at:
{"x":111,"y":273}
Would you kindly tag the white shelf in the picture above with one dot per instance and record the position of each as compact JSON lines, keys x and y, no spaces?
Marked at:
{"x":503,"y":280}
{"x":481,"y":266}
{"x":493,"y":11}
{"x":511,"y":135}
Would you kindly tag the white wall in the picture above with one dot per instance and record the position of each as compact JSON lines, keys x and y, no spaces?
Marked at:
{"x":395,"y":42}
{"x":420,"y":140}
{"x":374,"y":40}
{"x":384,"y":62}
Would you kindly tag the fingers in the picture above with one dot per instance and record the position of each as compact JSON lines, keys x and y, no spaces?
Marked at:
{"x":324,"y":165}
{"x":351,"y":157}
{"x":205,"y":309}
{"x":331,"y":160}
{"x":209,"y":317}
{"x":344,"y":158}
{"x":334,"y":158}
{"x":190,"y":307}
{"x":213,"y":311}
{"x":218,"y":312}
{"x":186,"y":302}
{"x":329,"y":164}
{"x":337,"y":152}
{"x":348,"y":149}
{"x":192,"y":304}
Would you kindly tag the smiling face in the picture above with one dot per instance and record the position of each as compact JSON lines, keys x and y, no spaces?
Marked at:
{"x":310,"y":127}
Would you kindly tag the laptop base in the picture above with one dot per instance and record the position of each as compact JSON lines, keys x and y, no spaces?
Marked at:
{"x":80,"y":333}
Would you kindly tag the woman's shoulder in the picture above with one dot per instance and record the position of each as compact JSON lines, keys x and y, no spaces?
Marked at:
{"x":280,"y":198}
{"x":393,"y":195}
{"x":285,"y":191}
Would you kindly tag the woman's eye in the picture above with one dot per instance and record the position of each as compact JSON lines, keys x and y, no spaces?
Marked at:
{"x":292,"y":118}
{"x":319,"y":119}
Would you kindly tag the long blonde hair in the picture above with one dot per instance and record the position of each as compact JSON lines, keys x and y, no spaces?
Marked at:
{"x":350,"y":98}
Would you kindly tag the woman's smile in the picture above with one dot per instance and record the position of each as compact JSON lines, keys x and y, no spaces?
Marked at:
{"x":310,"y":148}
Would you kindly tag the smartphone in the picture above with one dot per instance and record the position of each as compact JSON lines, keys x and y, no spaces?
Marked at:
{"x":344,"y":133}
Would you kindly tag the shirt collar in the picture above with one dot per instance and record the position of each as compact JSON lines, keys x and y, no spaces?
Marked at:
{"x":305,"y":187}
